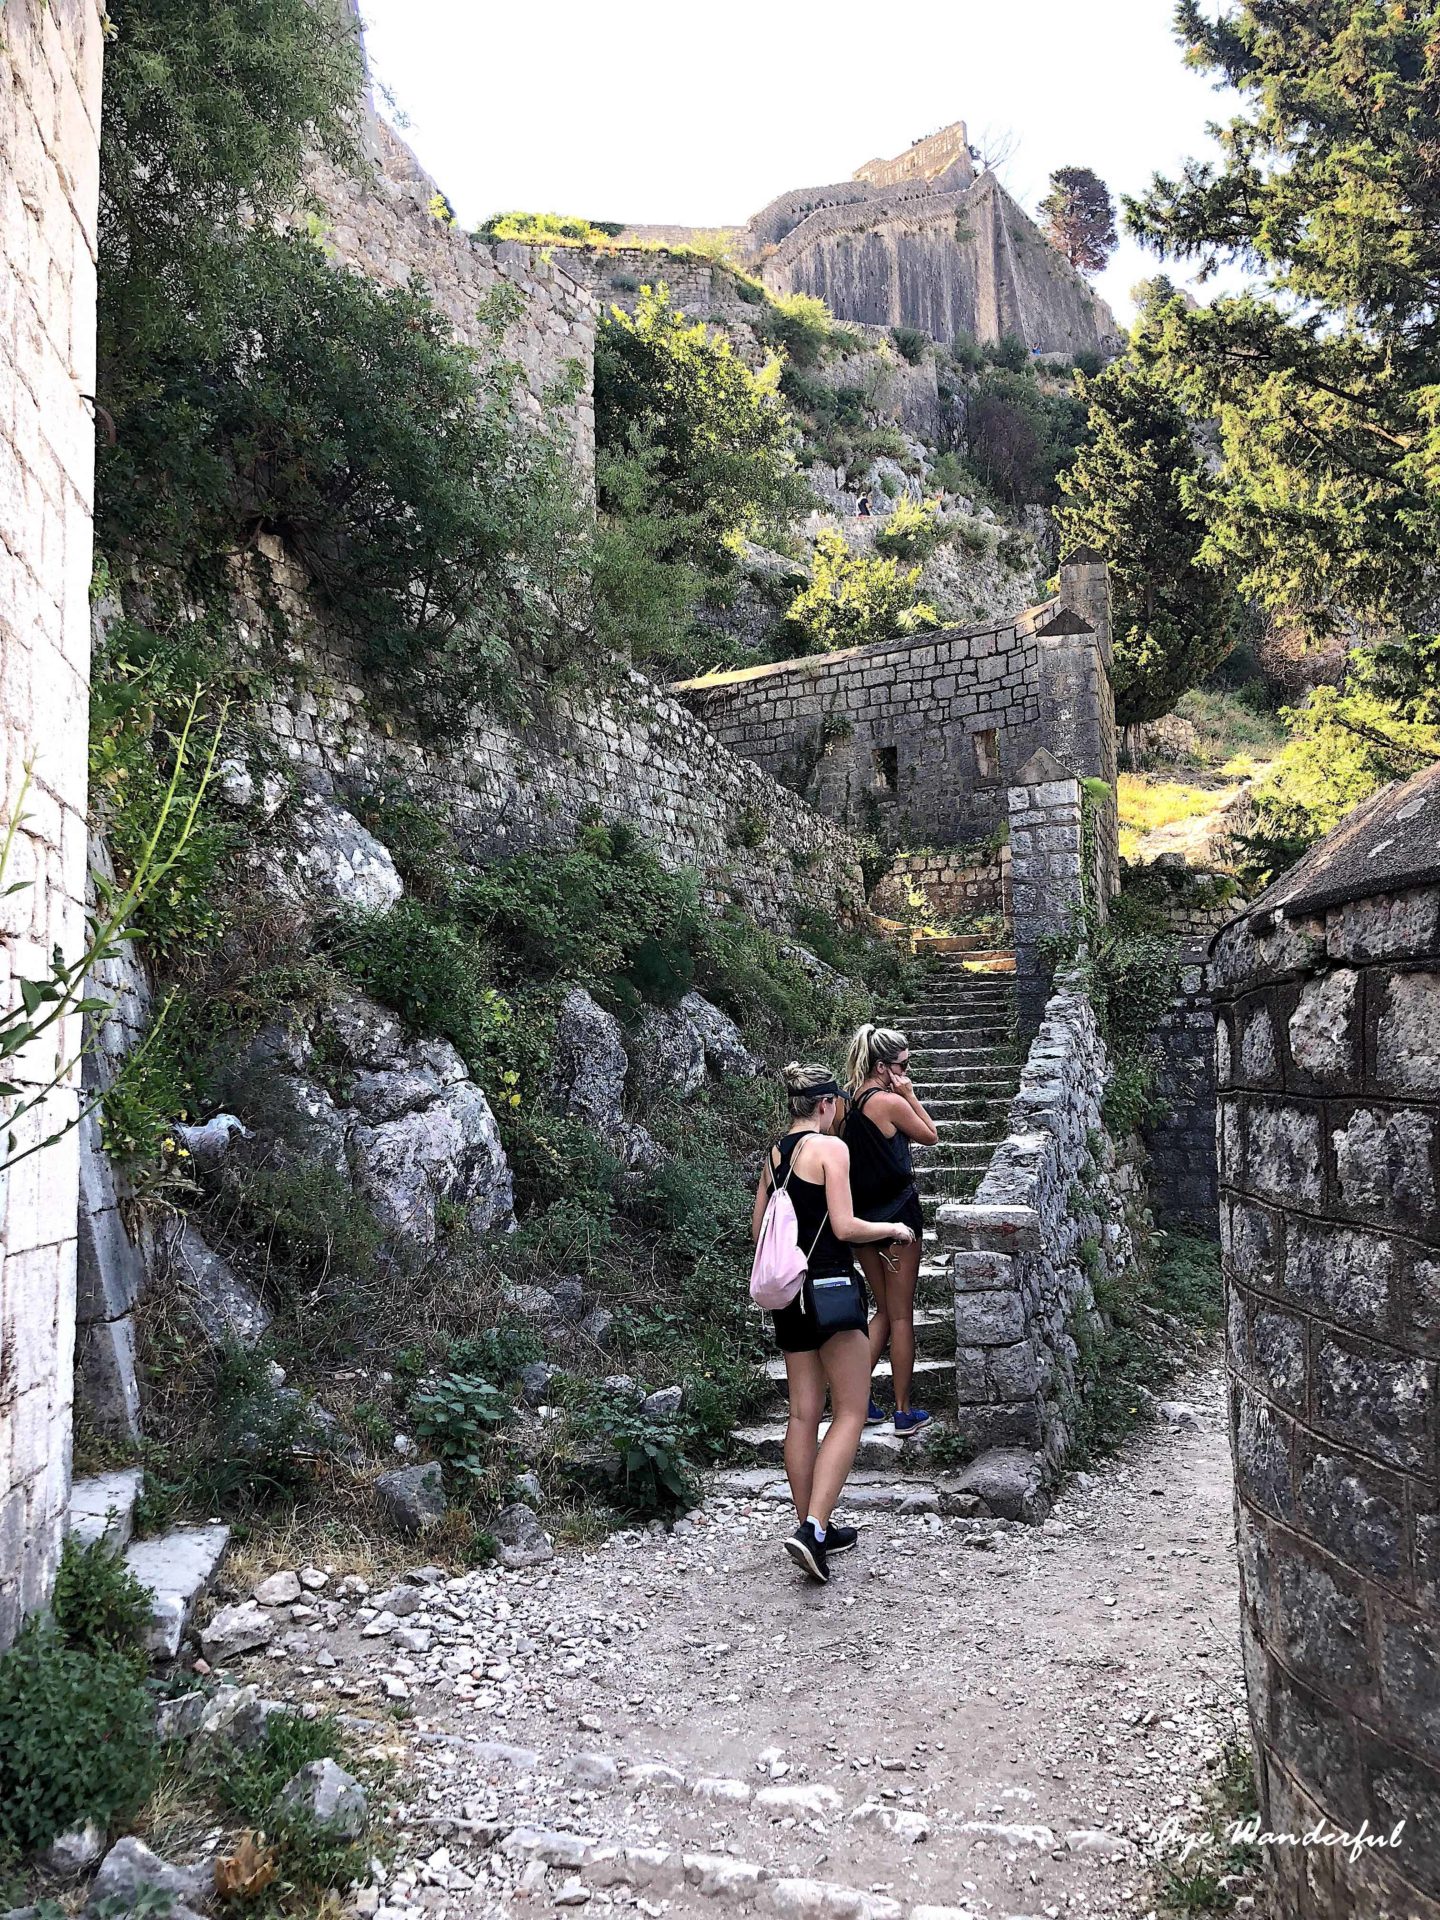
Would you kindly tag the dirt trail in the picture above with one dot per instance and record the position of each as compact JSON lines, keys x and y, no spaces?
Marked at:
{"x":1030,"y":1701}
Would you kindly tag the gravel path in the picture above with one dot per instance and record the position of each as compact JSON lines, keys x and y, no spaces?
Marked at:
{"x":980,"y":1716}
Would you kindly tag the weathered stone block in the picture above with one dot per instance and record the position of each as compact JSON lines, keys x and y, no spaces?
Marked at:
{"x":1407,"y":1037}
{"x":1278,"y":1355}
{"x":1378,"y":1402}
{"x":1323,"y":1026}
{"x":1343,"y":1508}
{"x":1344,"y":1273}
{"x":1384,"y":1161}
{"x":989,"y":1319}
{"x":1283,"y":1151}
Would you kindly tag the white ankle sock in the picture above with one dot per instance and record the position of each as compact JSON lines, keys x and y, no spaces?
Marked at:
{"x":815,"y":1528}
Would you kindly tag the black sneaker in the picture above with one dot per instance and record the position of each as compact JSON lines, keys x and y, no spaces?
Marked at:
{"x":808,"y":1553}
{"x":839,"y":1539}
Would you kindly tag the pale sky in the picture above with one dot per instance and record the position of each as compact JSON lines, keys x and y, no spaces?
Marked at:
{"x":643,"y":111}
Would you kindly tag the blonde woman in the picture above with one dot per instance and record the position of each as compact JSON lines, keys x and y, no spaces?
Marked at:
{"x":823,"y":1333}
{"x":883,"y":1120}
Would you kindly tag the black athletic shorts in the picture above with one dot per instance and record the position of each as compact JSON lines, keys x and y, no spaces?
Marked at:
{"x":796,"y":1331}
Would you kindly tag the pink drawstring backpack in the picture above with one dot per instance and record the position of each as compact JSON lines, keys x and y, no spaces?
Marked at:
{"x":777,"y":1272}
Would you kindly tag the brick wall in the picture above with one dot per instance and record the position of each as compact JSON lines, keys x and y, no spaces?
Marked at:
{"x":49,"y":161}
{"x":953,"y":885}
{"x":1328,"y":1016}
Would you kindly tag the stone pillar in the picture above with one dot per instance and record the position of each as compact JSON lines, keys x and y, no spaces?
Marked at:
{"x":49,"y":184}
{"x":1182,"y":1177}
{"x":1328,"y":1051}
{"x":1046,"y":894}
{"x":1077,"y":702}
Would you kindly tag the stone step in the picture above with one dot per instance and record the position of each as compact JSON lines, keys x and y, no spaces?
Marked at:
{"x":865,"y":1491}
{"x":177,"y":1567}
{"x":951,"y":1105}
{"x":937,"y":1372}
{"x":763,"y":1444}
{"x":722,"y":1880}
{"x":102,"y":1507}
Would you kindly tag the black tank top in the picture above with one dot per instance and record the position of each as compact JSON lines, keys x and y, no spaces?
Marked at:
{"x":880,"y":1168}
{"x":808,"y":1198}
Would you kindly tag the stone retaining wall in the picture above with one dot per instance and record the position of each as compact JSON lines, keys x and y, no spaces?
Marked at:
{"x":49,"y":172}
{"x":917,"y":739}
{"x":629,"y":751}
{"x":1328,"y":1017}
{"x":1045,"y":1226}
{"x":386,"y":227}
{"x":954,"y":886}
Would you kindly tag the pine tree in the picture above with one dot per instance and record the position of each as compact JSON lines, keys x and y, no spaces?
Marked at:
{"x":1080,"y":217}
{"x":1323,"y":377}
{"x":1139,"y":495}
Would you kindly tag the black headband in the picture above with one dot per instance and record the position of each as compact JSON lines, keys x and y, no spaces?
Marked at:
{"x":817,"y":1092}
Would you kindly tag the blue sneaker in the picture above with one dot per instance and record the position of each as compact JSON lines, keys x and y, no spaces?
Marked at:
{"x":908,"y":1423}
{"x":876,"y":1417}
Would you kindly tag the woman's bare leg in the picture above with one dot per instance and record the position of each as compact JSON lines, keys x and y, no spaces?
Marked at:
{"x":876,"y":1272}
{"x":901,"y":1283}
{"x":845,"y":1358}
{"x":806,"y":1379}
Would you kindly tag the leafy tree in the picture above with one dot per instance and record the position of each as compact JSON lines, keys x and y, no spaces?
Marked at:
{"x":1020,"y":439}
{"x":853,"y":600}
{"x":1345,"y":744}
{"x":1080,"y":217}
{"x":346,"y":420}
{"x":713,"y":438}
{"x":210,"y":113}
{"x":1322,"y":378}
{"x":1139,"y":494}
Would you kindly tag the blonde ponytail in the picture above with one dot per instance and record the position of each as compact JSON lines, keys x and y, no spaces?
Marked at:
{"x":872,"y":1047}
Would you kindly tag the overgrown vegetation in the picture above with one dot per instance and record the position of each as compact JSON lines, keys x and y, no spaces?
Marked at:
{"x":77,"y":1739}
{"x":855,"y":599}
{"x":1152,"y":1311}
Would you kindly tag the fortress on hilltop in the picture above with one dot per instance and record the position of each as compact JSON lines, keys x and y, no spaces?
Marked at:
{"x":921,"y":240}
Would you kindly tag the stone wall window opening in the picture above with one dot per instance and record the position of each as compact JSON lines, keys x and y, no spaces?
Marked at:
{"x":987,"y":752}
{"x":886,"y":764}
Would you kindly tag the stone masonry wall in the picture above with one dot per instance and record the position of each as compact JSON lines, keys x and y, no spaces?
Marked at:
{"x":1328,"y":1039}
{"x":1184,"y":1189}
{"x":1025,"y":1255}
{"x":969,"y":260}
{"x":953,"y":885}
{"x":917,"y":739}
{"x":49,"y":171}
{"x":629,"y":750}
{"x":384,"y":227}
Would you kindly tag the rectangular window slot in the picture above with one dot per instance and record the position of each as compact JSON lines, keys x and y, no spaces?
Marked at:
{"x":887,"y":768}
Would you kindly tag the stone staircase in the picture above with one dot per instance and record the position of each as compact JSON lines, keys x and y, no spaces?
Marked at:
{"x":177,"y":1566}
{"x":961,"y":1033}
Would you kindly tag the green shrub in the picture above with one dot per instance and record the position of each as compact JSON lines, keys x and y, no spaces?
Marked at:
{"x":549,"y":229}
{"x":641,"y":1468}
{"x":967,"y":352}
{"x":802,"y":325}
{"x":911,"y":344}
{"x":77,"y":1739}
{"x":854,"y":600}
{"x":455,"y":1415}
{"x":1009,"y":352}
{"x":429,"y":970}
{"x":951,"y":475}
{"x":913,"y":531}
{"x":98,"y":1604}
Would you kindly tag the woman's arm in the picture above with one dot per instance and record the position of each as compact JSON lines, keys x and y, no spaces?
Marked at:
{"x":904,"y":1112}
{"x":843,"y":1222}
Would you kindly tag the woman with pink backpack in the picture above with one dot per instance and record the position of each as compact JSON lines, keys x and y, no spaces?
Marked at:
{"x":804,"y":1274}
